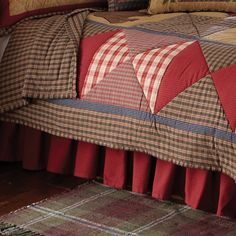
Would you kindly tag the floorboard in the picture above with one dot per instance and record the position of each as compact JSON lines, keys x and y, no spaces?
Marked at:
{"x":20,"y":187}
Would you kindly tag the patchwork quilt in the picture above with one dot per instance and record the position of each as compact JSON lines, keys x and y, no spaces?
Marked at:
{"x":163,"y":85}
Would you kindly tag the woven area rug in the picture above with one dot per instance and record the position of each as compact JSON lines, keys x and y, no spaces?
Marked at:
{"x":93,"y":209}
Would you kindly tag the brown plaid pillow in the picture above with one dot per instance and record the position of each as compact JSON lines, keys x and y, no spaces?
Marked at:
{"x":163,"y":6}
{"x":125,"y":5}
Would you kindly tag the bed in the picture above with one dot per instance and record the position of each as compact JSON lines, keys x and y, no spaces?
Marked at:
{"x":137,"y":99}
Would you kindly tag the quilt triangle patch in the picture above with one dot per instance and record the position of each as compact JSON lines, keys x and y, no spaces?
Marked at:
{"x":207,"y":25}
{"x":150,"y":67}
{"x":186,"y":68}
{"x":92,"y":29}
{"x":111,"y":54}
{"x":225,"y":84}
{"x":181,"y":24}
{"x":226,"y":36}
{"x":198,"y":104}
{"x":218,"y":56}
{"x":120,"y":88}
{"x":139,"y":41}
{"x":88,"y":47}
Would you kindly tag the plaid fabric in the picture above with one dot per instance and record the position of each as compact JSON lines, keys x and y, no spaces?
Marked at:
{"x":191,"y":131}
{"x":53,"y":73}
{"x":139,"y":42}
{"x":94,"y":209}
{"x":45,"y":69}
{"x":198,"y":104}
{"x":150,"y":67}
{"x":181,"y":143}
{"x":157,"y":6}
{"x":193,"y":25}
{"x":121,"y":5}
{"x":218,"y":56}
{"x":182,"y":25}
{"x":12,"y":77}
{"x":92,"y":29}
{"x":115,"y":51}
{"x":109,"y":90}
{"x":108,"y":57}
{"x":207,"y":25}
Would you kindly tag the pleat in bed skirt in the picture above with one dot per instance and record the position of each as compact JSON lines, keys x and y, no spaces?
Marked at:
{"x":205,"y":190}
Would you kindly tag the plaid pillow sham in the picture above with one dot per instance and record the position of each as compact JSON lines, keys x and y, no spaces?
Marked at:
{"x":163,"y":6}
{"x":12,"y":11}
{"x":125,"y":5}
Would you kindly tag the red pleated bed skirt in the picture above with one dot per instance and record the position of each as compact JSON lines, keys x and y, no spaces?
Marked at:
{"x":206,"y":190}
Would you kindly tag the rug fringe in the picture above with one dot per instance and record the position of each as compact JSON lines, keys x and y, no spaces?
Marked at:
{"x":11,"y":229}
{"x":14,"y":230}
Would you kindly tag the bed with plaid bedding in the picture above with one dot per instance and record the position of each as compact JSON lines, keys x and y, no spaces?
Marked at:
{"x":162,"y":85}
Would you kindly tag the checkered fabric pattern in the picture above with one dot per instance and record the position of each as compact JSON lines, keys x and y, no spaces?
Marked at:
{"x":183,"y":65}
{"x":203,"y":110}
{"x":218,"y":56}
{"x":139,"y":41}
{"x":151,"y":66}
{"x":93,"y":209}
{"x":108,"y":91}
{"x":180,"y":25}
{"x":207,"y":25}
{"x":108,"y":57}
{"x":46,"y":70}
{"x":92,"y":29}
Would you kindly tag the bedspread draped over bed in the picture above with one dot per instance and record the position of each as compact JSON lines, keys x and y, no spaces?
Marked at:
{"x":162,"y":85}
{"x":41,"y":59}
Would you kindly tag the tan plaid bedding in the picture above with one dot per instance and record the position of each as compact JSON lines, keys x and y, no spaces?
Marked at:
{"x":174,"y":106}
{"x":41,"y":60}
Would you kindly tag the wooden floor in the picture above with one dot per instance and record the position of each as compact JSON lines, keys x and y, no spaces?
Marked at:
{"x":19,"y":187}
